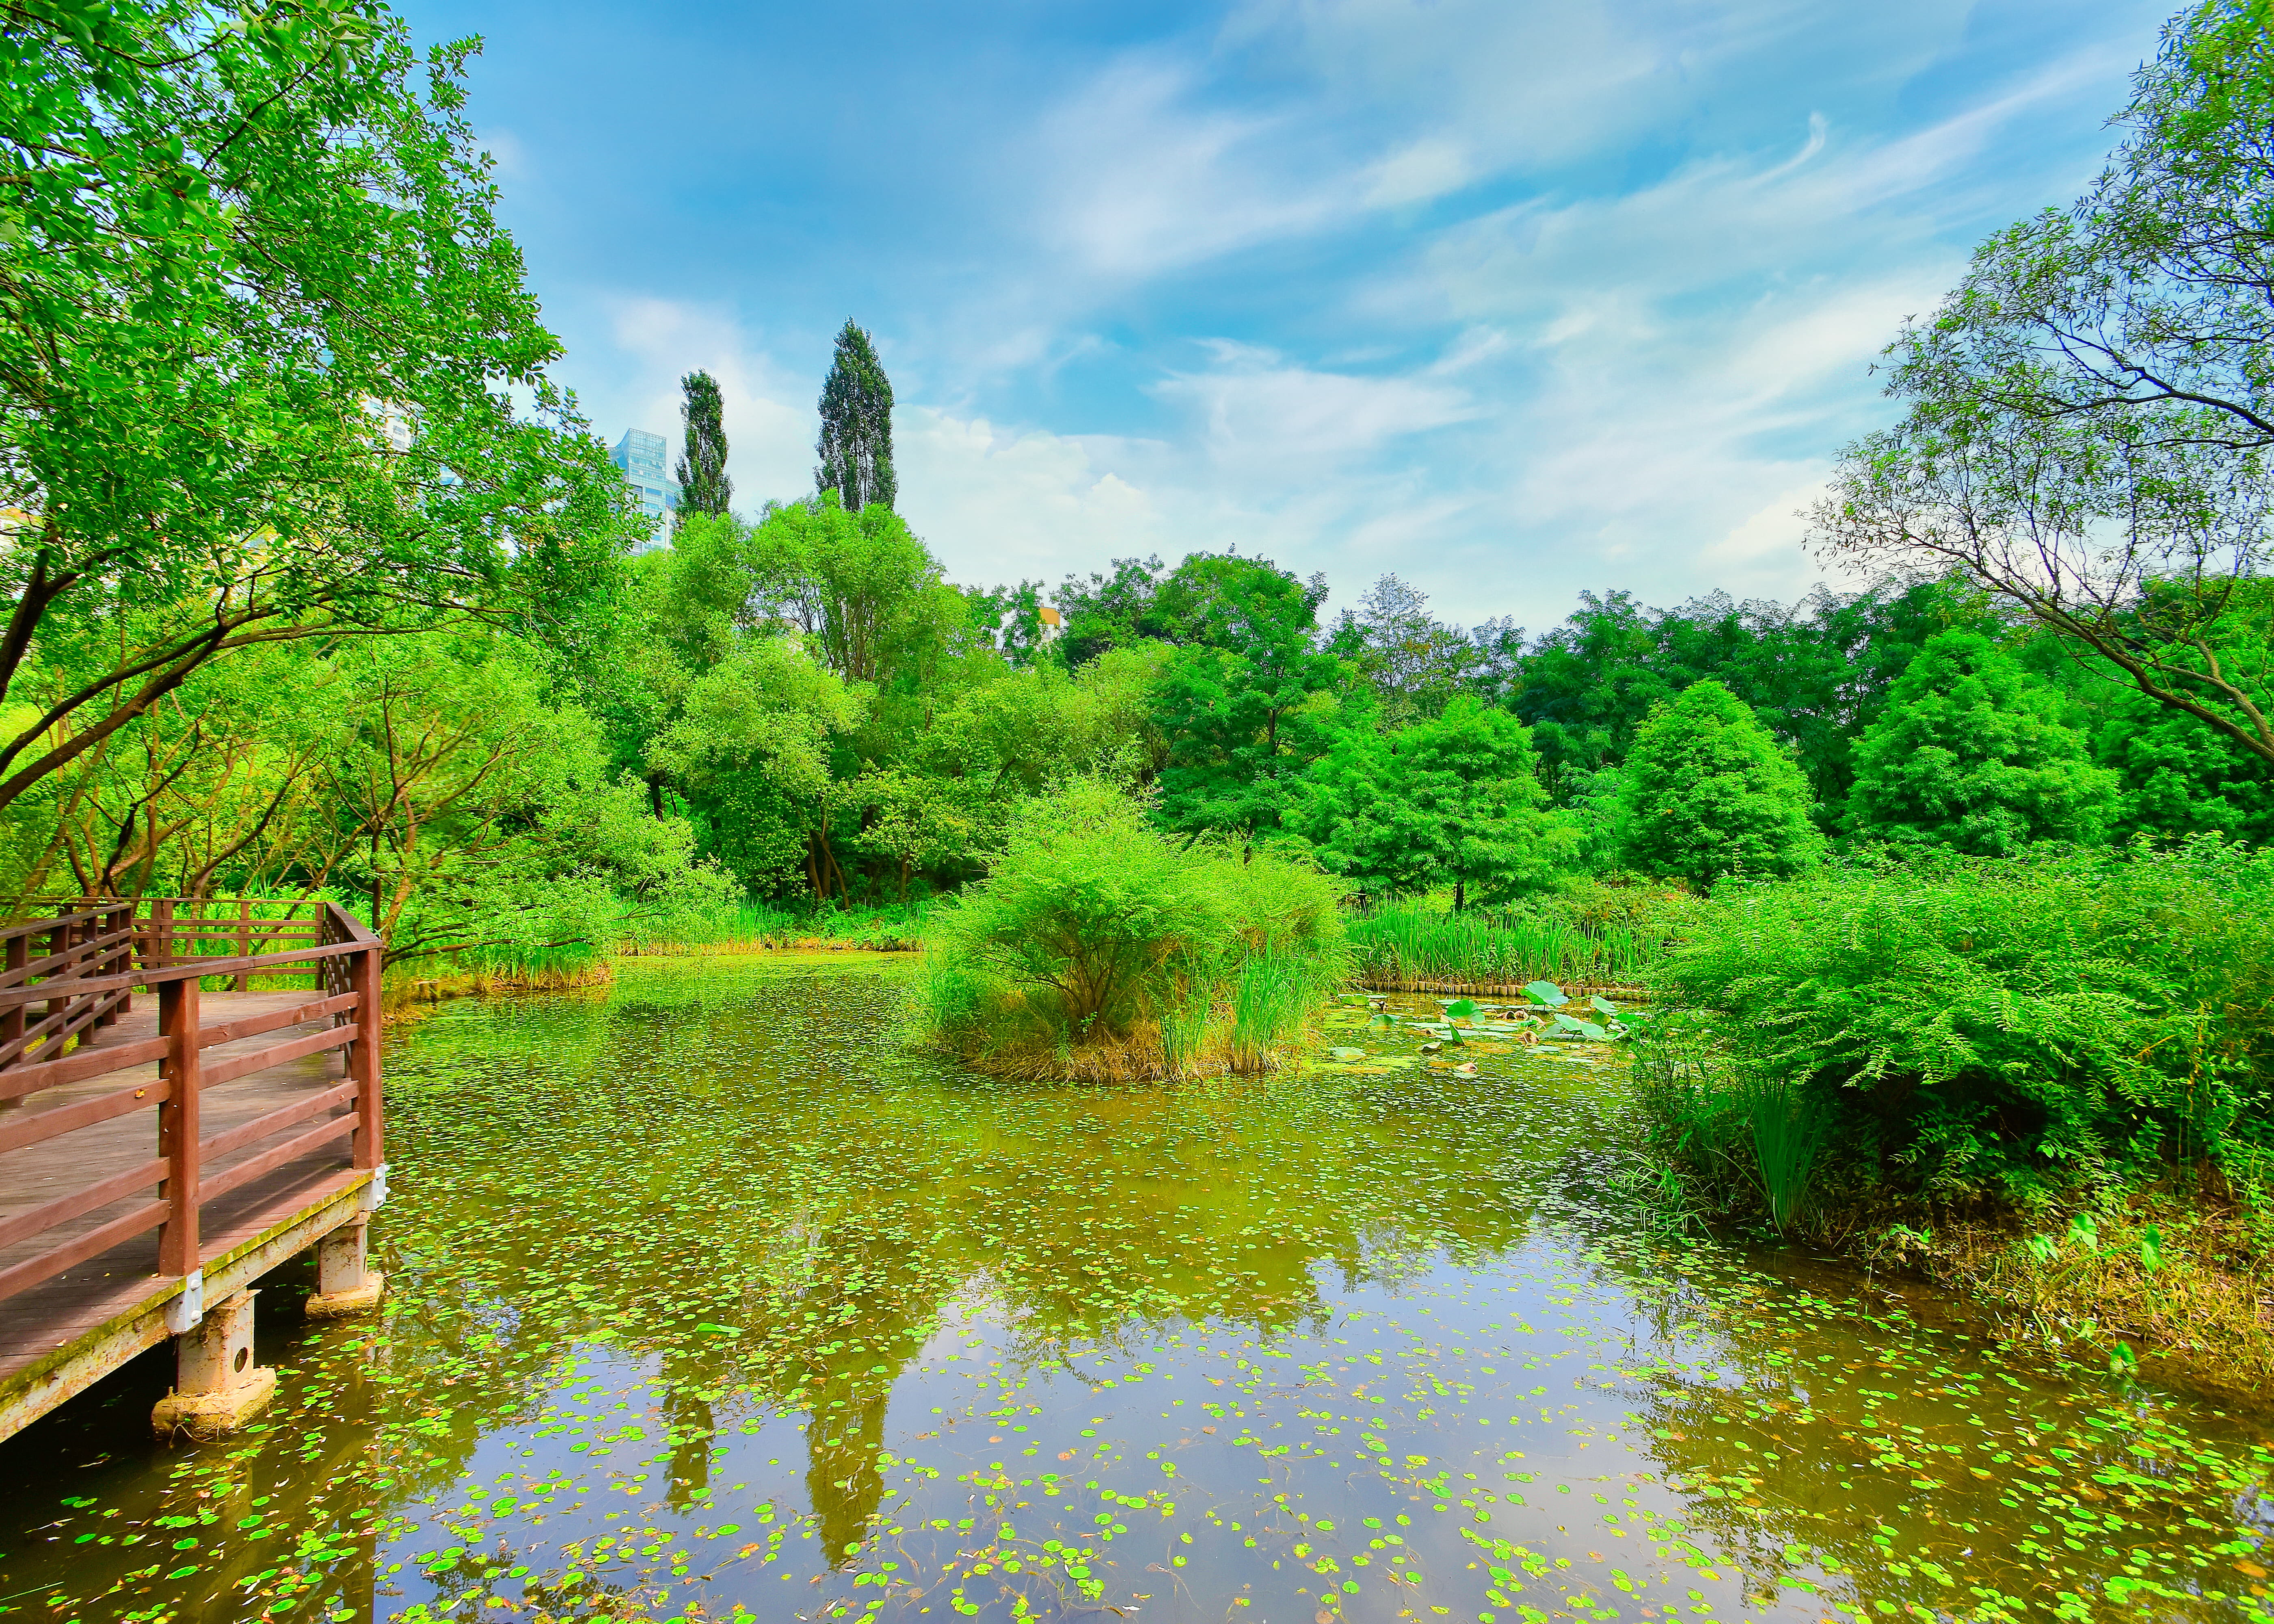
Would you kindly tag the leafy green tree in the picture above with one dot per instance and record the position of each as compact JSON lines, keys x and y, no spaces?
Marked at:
{"x":260,"y":336}
{"x":1815,"y":672}
{"x":1457,"y":801}
{"x":2175,"y":776}
{"x":1415,"y":663}
{"x":858,"y":583}
{"x":856,"y":426}
{"x":1974,"y":754}
{"x":461,"y":811}
{"x":1249,"y":703}
{"x":1710,"y":794}
{"x":704,"y":486}
{"x":1110,"y":611}
{"x":2089,"y":415}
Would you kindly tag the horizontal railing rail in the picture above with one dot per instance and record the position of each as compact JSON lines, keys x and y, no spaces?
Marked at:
{"x":96,"y":957}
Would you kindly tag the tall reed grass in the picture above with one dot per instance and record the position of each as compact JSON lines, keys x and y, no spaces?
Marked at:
{"x":496,"y":967}
{"x":744,"y":926}
{"x":1748,"y":1134}
{"x":1403,"y":941}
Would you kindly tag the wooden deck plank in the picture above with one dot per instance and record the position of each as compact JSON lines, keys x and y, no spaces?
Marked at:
{"x":36,"y":1323}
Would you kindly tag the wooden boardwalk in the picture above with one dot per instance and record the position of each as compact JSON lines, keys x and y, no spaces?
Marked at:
{"x":160,"y":1151}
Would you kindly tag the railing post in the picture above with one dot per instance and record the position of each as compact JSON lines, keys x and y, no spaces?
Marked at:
{"x":59,"y":940}
{"x":19,"y":954}
{"x":244,"y":944}
{"x":177,"y":1124}
{"x":108,"y":922}
{"x":161,"y":950}
{"x":363,"y":1058}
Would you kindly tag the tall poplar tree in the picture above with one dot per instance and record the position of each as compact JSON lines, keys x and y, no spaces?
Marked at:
{"x":704,"y":486}
{"x":856,"y":426}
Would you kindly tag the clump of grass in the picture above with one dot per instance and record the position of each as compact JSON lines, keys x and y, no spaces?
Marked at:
{"x":1402,"y":943}
{"x":745,"y":926}
{"x":478,"y":972}
{"x":1788,"y":1129}
{"x":1746,"y":1136}
{"x":1098,"y":949}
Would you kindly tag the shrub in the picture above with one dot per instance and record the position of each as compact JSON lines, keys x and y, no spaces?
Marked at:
{"x":1098,"y":948}
{"x":1972,"y":1026}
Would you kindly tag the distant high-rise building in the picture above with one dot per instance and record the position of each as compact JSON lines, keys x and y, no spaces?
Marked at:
{"x":641,"y":456}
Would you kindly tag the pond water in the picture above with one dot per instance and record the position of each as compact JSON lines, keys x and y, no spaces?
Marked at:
{"x":707,"y":1295}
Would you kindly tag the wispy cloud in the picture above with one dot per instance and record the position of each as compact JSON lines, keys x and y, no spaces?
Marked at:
{"x":1510,"y":299}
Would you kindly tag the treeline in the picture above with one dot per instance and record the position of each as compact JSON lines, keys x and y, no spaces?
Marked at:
{"x":805,"y":709}
{"x":370,"y":615}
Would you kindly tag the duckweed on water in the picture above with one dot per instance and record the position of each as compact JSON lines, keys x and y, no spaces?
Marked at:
{"x":708,"y":1300}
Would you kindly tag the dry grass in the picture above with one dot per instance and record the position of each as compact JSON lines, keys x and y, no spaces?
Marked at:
{"x":2181,"y":1273}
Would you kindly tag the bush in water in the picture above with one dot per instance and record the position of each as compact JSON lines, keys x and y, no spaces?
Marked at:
{"x":1098,"y":948}
{"x":1971,"y":1027}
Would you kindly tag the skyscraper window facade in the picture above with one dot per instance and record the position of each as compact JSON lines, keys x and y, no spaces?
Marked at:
{"x":641,"y":457}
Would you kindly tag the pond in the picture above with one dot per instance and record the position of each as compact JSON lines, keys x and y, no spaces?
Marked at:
{"x":705,"y":1294}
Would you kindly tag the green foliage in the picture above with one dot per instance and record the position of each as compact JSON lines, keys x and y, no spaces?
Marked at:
{"x":1709,"y":794}
{"x":751,"y":748}
{"x":704,"y":486}
{"x":2088,"y":414}
{"x":2002,"y":1027}
{"x":856,"y":427}
{"x":1814,"y":672}
{"x":261,"y":339}
{"x":1093,"y":933}
{"x":2175,"y":776}
{"x":859,"y":583}
{"x":1454,"y":801}
{"x":1247,"y":703}
{"x":1414,"y":663}
{"x":1971,"y":753}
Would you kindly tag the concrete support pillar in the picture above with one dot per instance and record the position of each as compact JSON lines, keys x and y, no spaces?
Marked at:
{"x":345,"y":1281}
{"x":217,"y":1385}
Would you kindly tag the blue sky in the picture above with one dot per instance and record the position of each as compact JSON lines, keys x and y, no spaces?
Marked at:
{"x":1512,"y":299}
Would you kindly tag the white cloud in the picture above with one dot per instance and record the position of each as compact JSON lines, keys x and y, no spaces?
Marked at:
{"x":999,"y":506}
{"x":1526,"y":299}
{"x":768,"y":411}
{"x":1144,"y":179}
{"x":1416,"y":173}
{"x":1772,"y":535}
{"x":1264,"y":417}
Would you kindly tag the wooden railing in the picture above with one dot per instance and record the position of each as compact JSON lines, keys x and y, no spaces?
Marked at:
{"x":92,"y":961}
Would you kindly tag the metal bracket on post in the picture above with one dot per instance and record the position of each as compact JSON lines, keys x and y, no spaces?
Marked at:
{"x":373,"y":1196}
{"x":187,"y":1310}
